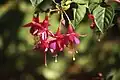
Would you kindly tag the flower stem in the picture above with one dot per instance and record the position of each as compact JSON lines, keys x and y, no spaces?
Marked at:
{"x":68,"y":18}
{"x":54,"y":10}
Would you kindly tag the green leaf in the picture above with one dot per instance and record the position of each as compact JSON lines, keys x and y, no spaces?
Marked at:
{"x":92,"y":6}
{"x":45,"y":5}
{"x":95,"y":1}
{"x":35,"y":2}
{"x":79,"y":15}
{"x":103,"y":17}
{"x":81,"y":1}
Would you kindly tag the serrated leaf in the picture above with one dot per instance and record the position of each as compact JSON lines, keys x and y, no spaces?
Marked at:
{"x":35,"y":2}
{"x":103,"y":17}
{"x":79,"y":14}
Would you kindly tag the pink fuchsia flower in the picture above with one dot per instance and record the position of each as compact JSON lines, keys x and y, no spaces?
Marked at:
{"x":72,"y":40}
{"x":93,"y":25}
{"x":71,"y":36}
{"x":57,"y":44}
{"x":43,"y":46}
{"x":39,"y":28}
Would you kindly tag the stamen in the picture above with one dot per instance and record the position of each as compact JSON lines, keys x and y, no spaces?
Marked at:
{"x":46,"y":49}
{"x":76,"y":51}
{"x":73,"y":57}
{"x":56,"y":60}
{"x":45,"y":59}
{"x":52,"y":51}
{"x":99,"y":40}
{"x":99,"y":37}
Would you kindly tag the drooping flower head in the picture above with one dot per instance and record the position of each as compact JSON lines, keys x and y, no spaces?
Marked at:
{"x":72,"y":40}
{"x":40,"y":30}
{"x":42,"y":46}
{"x":71,"y":36}
{"x":93,"y":24}
{"x":57,"y":44}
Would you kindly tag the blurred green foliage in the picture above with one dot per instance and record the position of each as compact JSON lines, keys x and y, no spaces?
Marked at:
{"x":19,"y":62}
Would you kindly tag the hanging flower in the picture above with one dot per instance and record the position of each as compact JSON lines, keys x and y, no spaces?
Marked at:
{"x":57,"y":44}
{"x":71,"y":36}
{"x":72,"y":40}
{"x":39,"y":28}
{"x":93,"y":24}
{"x":42,"y":46}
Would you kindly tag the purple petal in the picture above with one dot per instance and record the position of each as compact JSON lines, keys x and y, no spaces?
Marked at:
{"x":76,"y":40}
{"x":53,"y":45}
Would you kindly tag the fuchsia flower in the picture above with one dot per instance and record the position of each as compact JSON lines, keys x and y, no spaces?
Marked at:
{"x":57,"y":44}
{"x":71,"y":37}
{"x":40,"y":29}
{"x":43,"y":46}
{"x":93,"y":25}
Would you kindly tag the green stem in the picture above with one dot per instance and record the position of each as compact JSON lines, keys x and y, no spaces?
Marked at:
{"x":63,"y":12}
{"x":68,"y":18}
{"x":55,"y":2}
